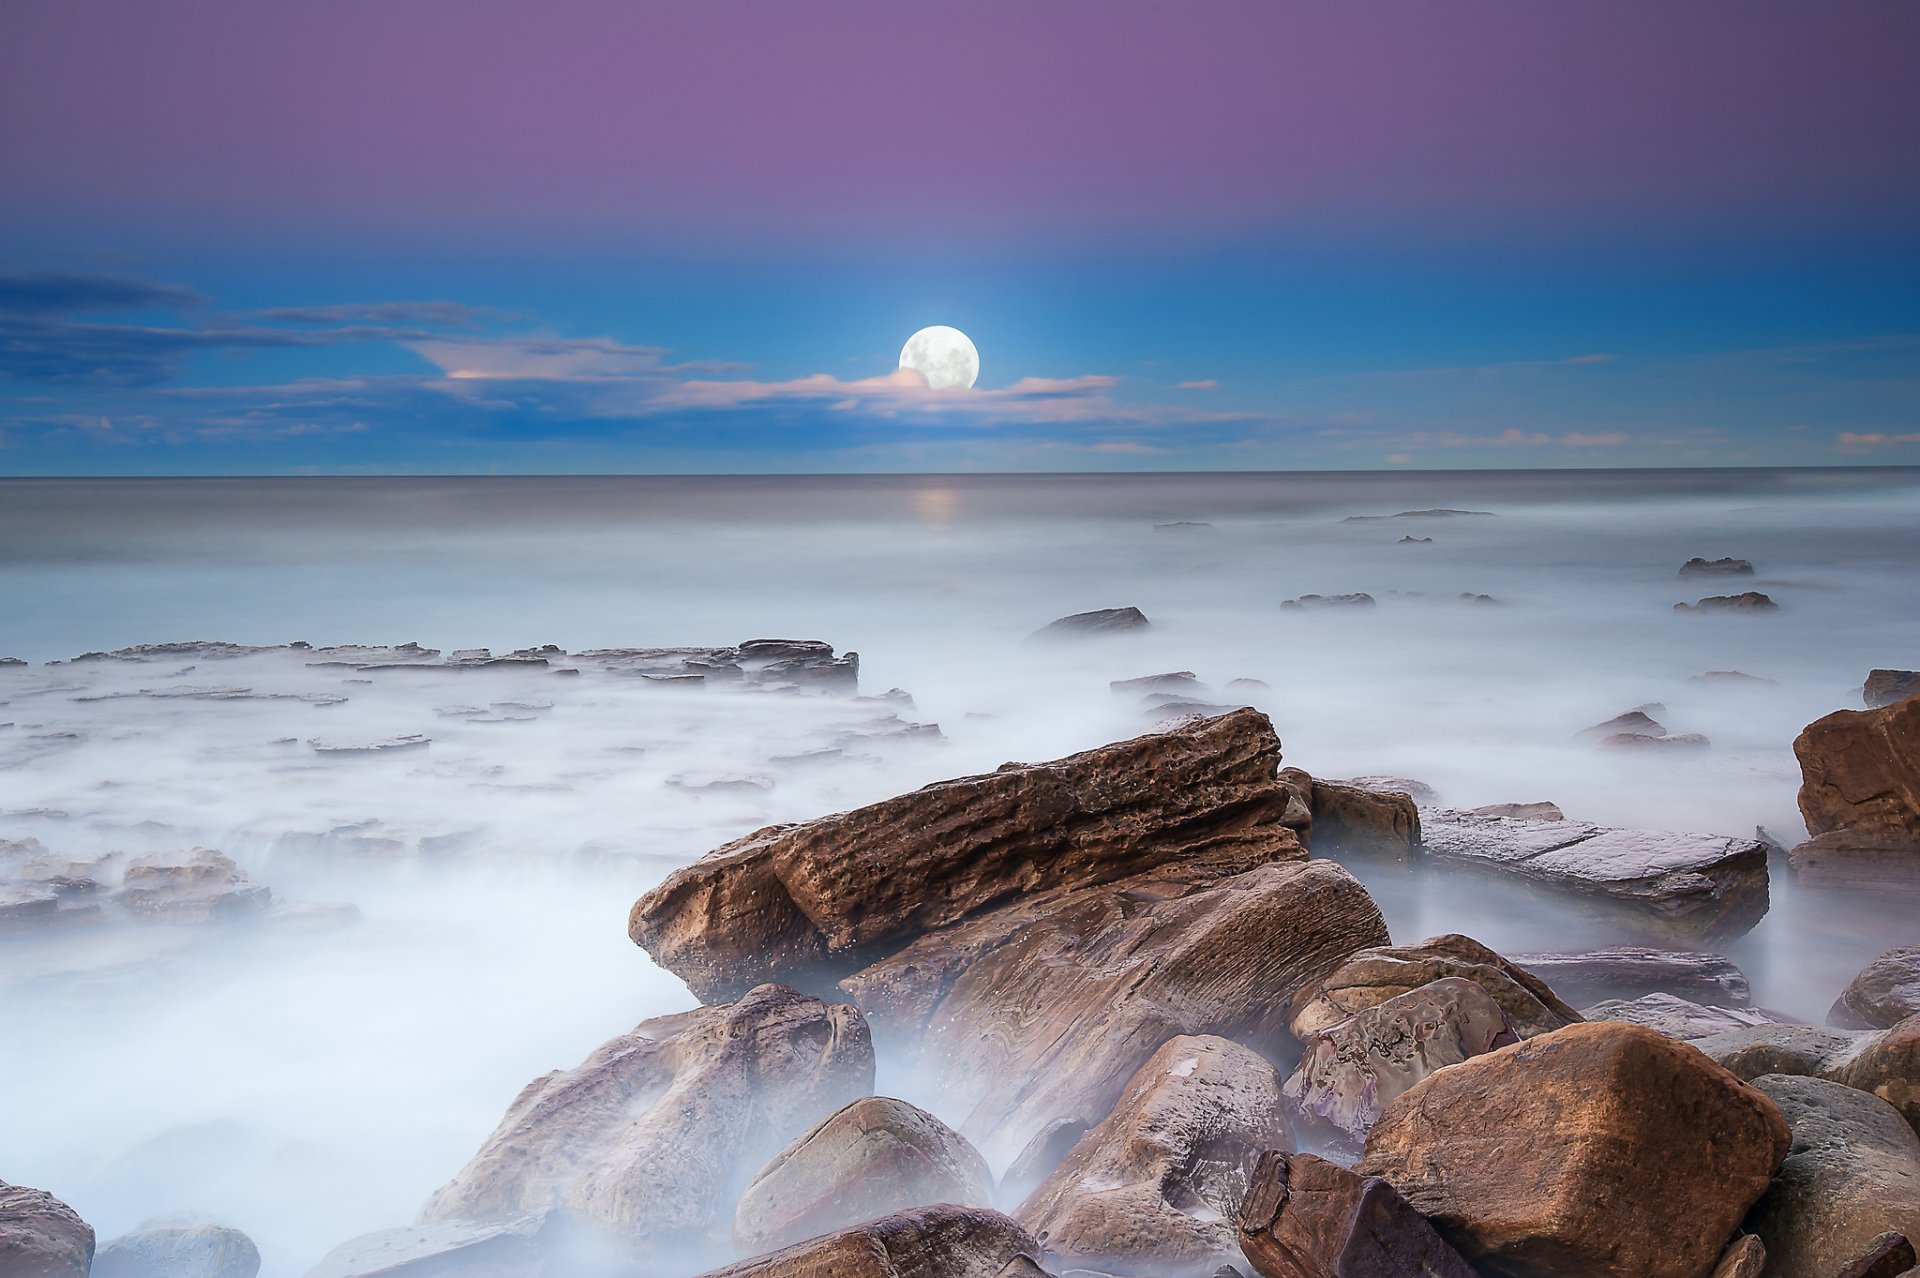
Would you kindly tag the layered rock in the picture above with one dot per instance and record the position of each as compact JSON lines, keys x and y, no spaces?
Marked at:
{"x":1886,"y":992}
{"x":1353,"y":819}
{"x":1885,"y":687}
{"x":40,"y":1236}
{"x":200,"y":886}
{"x":1629,"y":971}
{"x":1729,"y":567}
{"x":1305,"y":1217}
{"x":1580,"y":1154}
{"x":1745,"y":601}
{"x":1371,"y":977}
{"x":1746,"y":1258}
{"x":1101,"y":621}
{"x":178,"y":1249}
{"x":1678,"y":1017}
{"x":943,"y":1241}
{"x":651,"y":1138}
{"x":871,"y":1158}
{"x":1157,"y":1186}
{"x":1884,"y":1062}
{"x":1860,"y":795}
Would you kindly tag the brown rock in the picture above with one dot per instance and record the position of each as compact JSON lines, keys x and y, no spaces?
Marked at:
{"x":1042,"y":1154}
{"x":1860,"y":795}
{"x":1677,"y":1017}
{"x":810,"y":903}
{"x":201,"y":886}
{"x":1628,"y":971}
{"x":40,"y":1236}
{"x":943,"y":1241}
{"x":1888,"y":1256}
{"x":869,"y":1159}
{"x":1157,"y":1186}
{"x":1353,"y":819}
{"x":1698,"y":567}
{"x":1523,"y":811}
{"x":651,"y":1138}
{"x":1884,"y":687}
{"x":1597,"y":1151}
{"x":1746,"y":601}
{"x":1308,"y":1218}
{"x":1746,"y":1258}
{"x":1886,"y":992}
{"x":1370,"y":977}
{"x":1884,"y":1062}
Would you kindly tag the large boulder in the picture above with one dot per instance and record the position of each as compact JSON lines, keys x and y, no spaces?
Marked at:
{"x":1851,"y":1175}
{"x":1602,"y":1150}
{"x":1157,"y":1186}
{"x":650,"y":1140}
{"x":1305,"y":1217}
{"x":1629,"y":971}
{"x":1860,"y":795}
{"x":40,"y":1236}
{"x":1886,"y":992}
{"x":1370,"y":977}
{"x":1353,"y":1070}
{"x":872,"y":1158}
{"x":1885,"y":687}
{"x":1356,"y":820}
{"x":178,"y":1249}
{"x":1885,"y":1062}
{"x":943,"y":1241}
{"x":1685,"y":888}
{"x":808,"y":904}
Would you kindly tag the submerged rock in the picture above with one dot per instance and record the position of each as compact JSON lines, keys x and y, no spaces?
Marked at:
{"x":944,"y":1241}
{"x":1886,"y":992}
{"x":1887,"y":687}
{"x":1747,"y":601}
{"x":1371,"y":977}
{"x":1732,"y":679}
{"x":1422,"y":794}
{"x":1305,"y":1217}
{"x":1628,"y":971}
{"x":1860,"y":795}
{"x":1176,"y":682}
{"x":40,"y":1236}
{"x":1697,"y":567}
{"x":178,"y":1249}
{"x":1101,"y":621}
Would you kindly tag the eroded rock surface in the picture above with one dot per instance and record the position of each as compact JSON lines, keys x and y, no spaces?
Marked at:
{"x":1305,"y":1217}
{"x":1885,"y":1062}
{"x":1886,"y":992}
{"x":1354,"y":819}
{"x":1885,"y":687}
{"x":1677,"y":1017}
{"x":40,"y":1236}
{"x":1860,"y":795}
{"x":1629,"y":971}
{"x":1370,"y":977}
{"x":943,"y":1241}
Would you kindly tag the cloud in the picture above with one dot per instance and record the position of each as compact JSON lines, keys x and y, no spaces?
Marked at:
{"x":1204,"y":383}
{"x":1603,"y":439}
{"x":1512,"y":437}
{"x":430,"y":314}
{"x":1860,"y":442}
{"x":52,"y":293}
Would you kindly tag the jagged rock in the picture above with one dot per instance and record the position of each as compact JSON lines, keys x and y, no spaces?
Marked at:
{"x":1354,"y":819}
{"x":868,"y":1159}
{"x":652,"y":1137}
{"x":1746,"y":1258}
{"x":1886,"y":687}
{"x":449,"y":1249}
{"x":178,"y":1249}
{"x":1636,"y":722}
{"x":1851,"y":1176}
{"x":1886,"y":992}
{"x":943,"y":1241}
{"x":1746,"y":601}
{"x":1628,"y":971}
{"x":1885,"y":1062}
{"x":201,"y":886}
{"x":1177,"y":682}
{"x":1523,"y":811}
{"x":1597,"y":1151}
{"x":1101,"y":621}
{"x":40,"y":1236}
{"x":1670,"y":887}
{"x":1860,"y":795}
{"x":1351,"y":1071}
{"x":1370,"y":977}
{"x":1677,"y":1017}
{"x":1157,"y":1185}
{"x":1359,"y":600}
{"x":1697,"y":567}
{"x":810,"y":903}
{"x":1305,"y":1217}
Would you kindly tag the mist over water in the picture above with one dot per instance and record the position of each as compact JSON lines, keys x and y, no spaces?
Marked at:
{"x":308,"y":1081}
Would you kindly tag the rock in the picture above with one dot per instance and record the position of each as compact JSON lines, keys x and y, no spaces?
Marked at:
{"x":868,"y":1159}
{"x":1467,"y":596}
{"x":1886,"y":687}
{"x":1677,"y":1017}
{"x":1360,"y":600}
{"x":1351,"y":1071}
{"x":1411,"y":540}
{"x":201,"y":886}
{"x":1177,"y":682}
{"x":1523,"y":811}
{"x":1046,"y":1151}
{"x":178,"y":1249}
{"x":1353,"y":819}
{"x":1101,"y":621}
{"x":1042,"y":1010}
{"x":1668,"y":887}
{"x":377,"y":745}
{"x":1886,"y":992}
{"x":1628,"y":971}
{"x":1436,"y":513}
{"x":1597,"y":1151}
{"x":1733,"y":679}
{"x":40,"y":1236}
{"x":1637,"y":722}
{"x":1371,"y":977}
{"x":451,"y":1249}
{"x":943,"y":1241}
{"x":810,"y":903}
{"x":1884,"y":1062}
{"x":1851,"y":1176}
{"x":652,"y":1137}
{"x":1244,"y":684}
{"x":1157,"y":1186}
{"x":1645,"y":741}
{"x":1308,"y":1218}
{"x":1747,"y":601}
{"x":1860,"y":795}
{"x":1746,"y":1258}
{"x":1888,"y":1256}
{"x":1183,"y":526}
{"x":1697,"y":567}
{"x":1422,"y":794}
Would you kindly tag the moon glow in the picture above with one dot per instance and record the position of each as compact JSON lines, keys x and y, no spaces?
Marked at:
{"x":944,"y":356}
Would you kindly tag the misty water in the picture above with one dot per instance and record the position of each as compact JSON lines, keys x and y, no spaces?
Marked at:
{"x":312,"y":1077}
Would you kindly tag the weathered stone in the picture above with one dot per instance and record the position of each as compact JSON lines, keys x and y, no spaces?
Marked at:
{"x":1746,"y":601}
{"x":1885,"y":1062}
{"x":1633,"y":721}
{"x":1851,"y":1175}
{"x":1883,"y":862}
{"x":1351,"y":1071}
{"x":1746,"y":1258}
{"x":1647,"y":741}
{"x":1860,"y":795}
{"x":1885,"y":687}
{"x":40,"y":1236}
{"x":178,"y":1249}
{"x":1677,"y":1017}
{"x":1305,"y":1217}
{"x":201,"y":886}
{"x":810,"y":903}
{"x":1698,"y":567}
{"x":1370,"y":977}
{"x":871,"y":1158}
{"x":943,"y":1241}
{"x":1891,"y":1255}
{"x":1886,"y":992}
{"x":1523,"y":811}
{"x":1046,"y":1151}
{"x":447,"y":1249}
{"x":1157,"y":1186}
{"x":1175,"y":682}
{"x":1352,"y":819}
{"x":651,"y":1139}
{"x":1101,"y":621}
{"x":1629,"y":971}
{"x":1597,"y":1151}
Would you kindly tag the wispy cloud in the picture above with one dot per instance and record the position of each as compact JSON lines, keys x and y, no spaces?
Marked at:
{"x":56,"y":293}
{"x":1867,"y":441}
{"x":1204,"y":383}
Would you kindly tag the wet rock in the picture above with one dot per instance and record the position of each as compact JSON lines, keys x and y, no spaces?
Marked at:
{"x":1852,"y":1175}
{"x":1746,"y":601}
{"x":1422,"y":794}
{"x":651,"y":1138}
{"x":1597,"y":1151}
{"x":1305,"y":1217}
{"x":1435,"y":513}
{"x":871,"y":1158}
{"x":1732,"y":679}
{"x":1371,"y":977}
{"x":1891,"y":1255}
{"x":178,"y":1249}
{"x":1411,"y":540}
{"x":1886,"y":687}
{"x":810,"y":903}
{"x":1884,"y":1062}
{"x":1860,"y":795}
{"x":1637,"y":722}
{"x":1746,"y":1258}
{"x":1353,"y":819}
{"x":1523,"y":811}
{"x":1351,"y":1071}
{"x":1157,"y":1186}
{"x":1646,"y":741}
{"x":1667,"y":887}
{"x":201,"y":886}
{"x":40,"y":1236}
{"x":1697,"y":567}
{"x":1101,"y":621}
{"x":375,"y":745}
{"x":1046,"y":1151}
{"x":1886,"y":992}
{"x":1176,"y":682}
{"x":1677,"y":1017}
{"x":517,"y":1248}
{"x":944,"y":1241}
{"x":1360,"y":600}
{"x":1628,"y":971}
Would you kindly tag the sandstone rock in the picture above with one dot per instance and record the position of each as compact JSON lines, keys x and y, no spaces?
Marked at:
{"x":1885,"y":687}
{"x":1359,"y":600}
{"x":1851,"y":1175}
{"x":1886,"y":992}
{"x":1422,"y":794}
{"x":1697,"y":567}
{"x":1628,"y":971}
{"x":1101,"y":621}
{"x":1891,"y":1255}
{"x":810,"y":903}
{"x":1351,"y":1071}
{"x":943,"y":1241}
{"x":1733,"y":679}
{"x":1746,"y":1258}
{"x":40,"y":1236}
{"x":1677,"y":1017}
{"x":1884,"y":1062}
{"x":1860,"y":795}
{"x":1597,"y":1151}
{"x":1746,"y":601}
{"x":1523,"y":811}
{"x":1352,"y":819}
{"x":1305,"y":1217}
{"x":450,"y":1249}
{"x":1370,"y":977}
{"x":201,"y":886}
{"x":651,"y":1138}
{"x":1046,"y":1151}
{"x":1668,"y":887}
{"x":1157,"y":1186}
{"x":868,"y":1159}
{"x":178,"y":1249}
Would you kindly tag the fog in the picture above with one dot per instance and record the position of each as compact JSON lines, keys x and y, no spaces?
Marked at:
{"x":313,"y":1077}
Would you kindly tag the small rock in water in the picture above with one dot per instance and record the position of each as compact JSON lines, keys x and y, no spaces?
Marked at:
{"x":1697,"y":567}
{"x":1542,"y":811}
{"x":1101,"y":621}
{"x":379,"y":745}
{"x":1469,"y":597}
{"x":1182,"y":526}
{"x":1748,"y":601}
{"x":1411,"y":540}
{"x":1886,"y":992}
{"x":1628,"y":971}
{"x":1178,"y":682}
{"x":201,"y":886}
{"x":1361,"y":600}
{"x":1733,"y":679}
{"x":510,"y":1248}
{"x":1648,"y":741}
{"x":1639,"y":721}
{"x":1884,"y":687}
{"x":178,"y":1248}
{"x":1439,"y":512}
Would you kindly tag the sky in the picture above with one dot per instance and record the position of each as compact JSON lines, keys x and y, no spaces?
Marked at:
{"x":414,"y":236}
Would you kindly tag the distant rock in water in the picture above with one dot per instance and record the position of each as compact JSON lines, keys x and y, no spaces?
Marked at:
{"x":1415,"y":541}
{"x":1361,"y":600}
{"x":1886,"y":992}
{"x":377,"y":745}
{"x":1732,"y":679}
{"x":1101,"y":621}
{"x":6,"y":662}
{"x":40,"y":1236}
{"x":1749,"y":601}
{"x":178,"y":1249}
{"x":1629,"y":971}
{"x":1884,"y":687}
{"x":1420,"y":792}
{"x":1183,"y":526}
{"x":1678,"y":1017}
{"x":1860,"y":796}
{"x":1651,"y":741}
{"x":1638,"y":720}
{"x":1698,"y":567}
{"x":1181,"y":682}
{"x":1436,"y":513}
{"x":1469,"y":597}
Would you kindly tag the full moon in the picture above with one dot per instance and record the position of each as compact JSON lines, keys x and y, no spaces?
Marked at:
{"x":944,"y":356}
